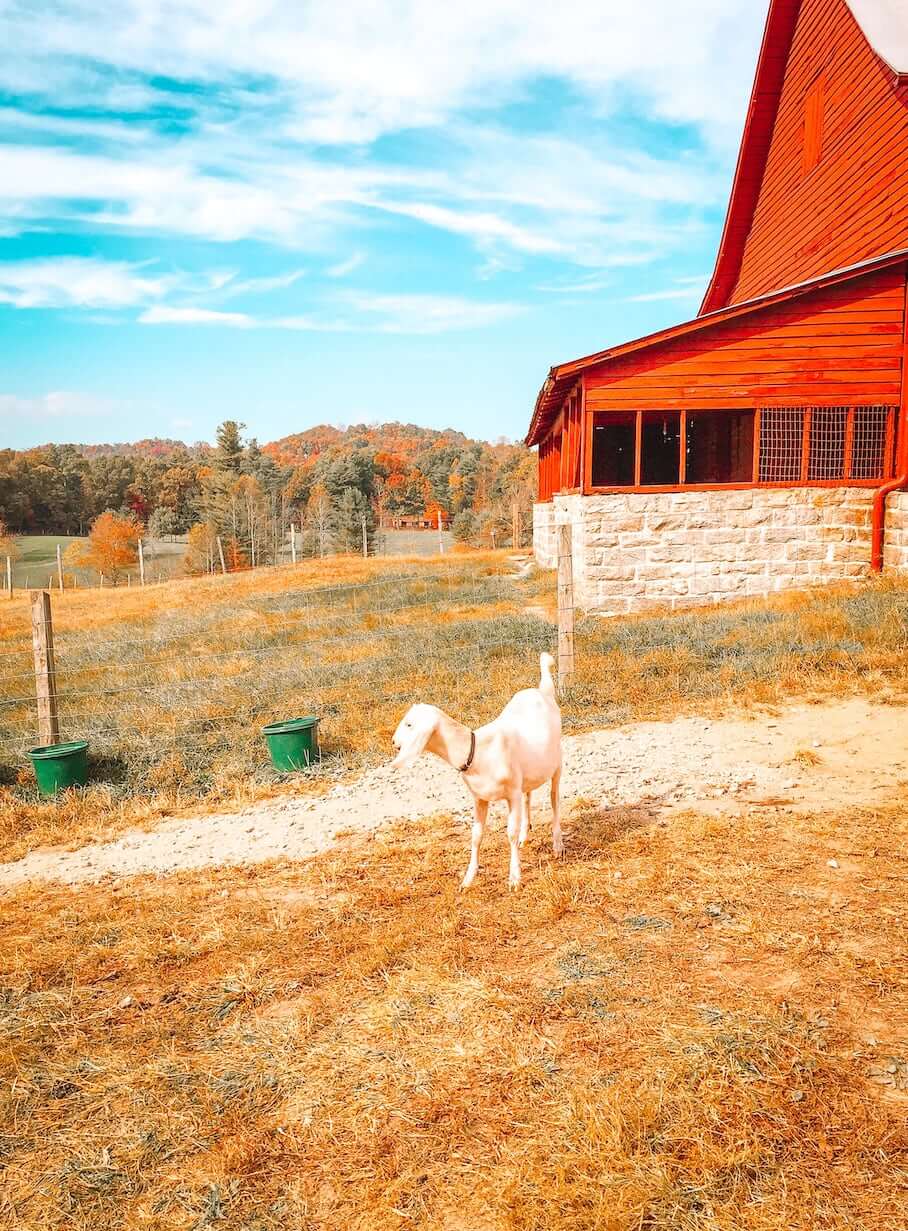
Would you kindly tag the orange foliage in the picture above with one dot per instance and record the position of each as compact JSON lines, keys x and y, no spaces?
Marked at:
{"x":112,"y":547}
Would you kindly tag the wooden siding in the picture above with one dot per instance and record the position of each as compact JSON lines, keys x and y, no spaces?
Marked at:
{"x":839,"y":345}
{"x":845,"y":199}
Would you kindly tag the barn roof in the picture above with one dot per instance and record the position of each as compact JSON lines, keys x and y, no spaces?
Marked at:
{"x":562,"y":378}
{"x":884,"y":23}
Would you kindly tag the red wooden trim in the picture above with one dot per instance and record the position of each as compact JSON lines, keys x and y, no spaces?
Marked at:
{"x":889,"y":451}
{"x":755,"y":472}
{"x":638,"y":448}
{"x":583,"y":445}
{"x":682,"y":445}
{"x":639,"y":490}
{"x":849,"y":443}
{"x":805,"y":443}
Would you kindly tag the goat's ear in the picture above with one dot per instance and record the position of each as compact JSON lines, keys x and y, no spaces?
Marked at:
{"x":414,"y":741}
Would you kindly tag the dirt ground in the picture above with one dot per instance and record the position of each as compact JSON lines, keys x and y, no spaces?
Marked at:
{"x":807,"y":757}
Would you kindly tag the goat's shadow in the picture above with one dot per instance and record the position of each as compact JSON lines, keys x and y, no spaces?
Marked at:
{"x":591,"y":828}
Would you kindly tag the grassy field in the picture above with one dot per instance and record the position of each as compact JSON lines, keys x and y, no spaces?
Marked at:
{"x":699,"y":1027}
{"x":37,"y":561}
{"x":172,"y":684}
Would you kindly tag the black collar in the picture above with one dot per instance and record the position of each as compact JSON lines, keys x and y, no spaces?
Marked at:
{"x":469,"y":761}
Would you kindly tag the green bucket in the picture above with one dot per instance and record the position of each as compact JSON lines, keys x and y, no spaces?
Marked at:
{"x":58,"y":766}
{"x":293,"y":744}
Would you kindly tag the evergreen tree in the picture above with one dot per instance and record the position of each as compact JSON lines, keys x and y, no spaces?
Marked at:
{"x":229,"y":454}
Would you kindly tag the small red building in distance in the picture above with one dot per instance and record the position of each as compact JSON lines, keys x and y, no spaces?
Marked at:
{"x":764,"y":444}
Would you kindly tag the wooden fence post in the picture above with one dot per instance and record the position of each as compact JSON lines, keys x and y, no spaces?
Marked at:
{"x":141,"y":563}
{"x":565,"y":606}
{"x":45,"y":670}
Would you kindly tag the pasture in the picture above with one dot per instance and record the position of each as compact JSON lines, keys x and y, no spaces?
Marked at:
{"x":172,"y":683}
{"x":36,"y":563}
{"x":697,"y":1021}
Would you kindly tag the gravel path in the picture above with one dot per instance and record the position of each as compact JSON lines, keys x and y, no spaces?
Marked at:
{"x":730,"y":763}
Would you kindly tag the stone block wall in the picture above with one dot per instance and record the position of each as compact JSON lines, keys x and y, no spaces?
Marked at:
{"x":679,"y":549}
{"x":895,"y":544}
{"x":545,"y":545}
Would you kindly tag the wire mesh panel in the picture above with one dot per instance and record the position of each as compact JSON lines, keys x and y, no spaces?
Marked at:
{"x":868,"y":442}
{"x":826,"y":456}
{"x":781,"y":444}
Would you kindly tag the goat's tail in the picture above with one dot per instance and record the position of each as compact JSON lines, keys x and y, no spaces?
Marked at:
{"x":546,"y":684}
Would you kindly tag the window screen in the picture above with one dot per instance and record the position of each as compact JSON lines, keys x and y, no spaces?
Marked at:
{"x":826,"y":458}
{"x":868,"y":442}
{"x":781,"y":444}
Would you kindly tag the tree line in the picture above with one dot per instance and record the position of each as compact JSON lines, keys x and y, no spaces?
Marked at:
{"x":335,"y":486}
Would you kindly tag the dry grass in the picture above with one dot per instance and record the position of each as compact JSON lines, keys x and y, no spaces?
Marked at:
{"x":172,"y":684}
{"x":699,"y":1027}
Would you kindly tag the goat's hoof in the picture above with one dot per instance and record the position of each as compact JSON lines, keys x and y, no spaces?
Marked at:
{"x":558,"y":848}
{"x":513,"y":884}
{"x":467,"y":882}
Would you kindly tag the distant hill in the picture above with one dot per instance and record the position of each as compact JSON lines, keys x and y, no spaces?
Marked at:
{"x":338,"y":480}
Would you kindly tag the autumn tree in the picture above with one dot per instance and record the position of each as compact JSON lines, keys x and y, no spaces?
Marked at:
{"x":201,"y":548}
{"x":319,"y":518}
{"x":112,"y":546}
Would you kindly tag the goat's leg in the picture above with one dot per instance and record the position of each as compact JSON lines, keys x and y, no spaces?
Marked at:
{"x":525,"y":823}
{"x":515,"y":824}
{"x":481,"y":809}
{"x":557,"y":840}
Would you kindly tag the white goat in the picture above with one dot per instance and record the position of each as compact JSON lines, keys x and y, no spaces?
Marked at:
{"x":506,"y":759}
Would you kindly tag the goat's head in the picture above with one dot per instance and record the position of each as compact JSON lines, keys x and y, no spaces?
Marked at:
{"x":413,"y":733}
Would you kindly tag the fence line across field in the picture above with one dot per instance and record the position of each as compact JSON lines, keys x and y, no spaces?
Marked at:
{"x":328,"y":619}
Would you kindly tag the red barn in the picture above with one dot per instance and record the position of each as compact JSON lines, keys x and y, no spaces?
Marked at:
{"x":762,"y":445}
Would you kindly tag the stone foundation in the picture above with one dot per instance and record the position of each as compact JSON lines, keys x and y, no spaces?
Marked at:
{"x":895,"y":544}
{"x":545,"y":545}
{"x":678,"y":549}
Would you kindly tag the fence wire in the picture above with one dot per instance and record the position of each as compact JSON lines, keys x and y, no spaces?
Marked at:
{"x":203,"y":681}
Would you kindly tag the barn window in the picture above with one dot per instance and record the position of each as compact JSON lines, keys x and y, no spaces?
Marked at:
{"x":660,"y":450}
{"x":703,"y":448}
{"x":813,"y":125}
{"x":825,"y":444}
{"x":614,"y":448}
{"x":720,"y":446}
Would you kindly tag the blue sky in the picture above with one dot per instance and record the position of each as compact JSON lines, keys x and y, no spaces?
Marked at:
{"x":294,"y":213}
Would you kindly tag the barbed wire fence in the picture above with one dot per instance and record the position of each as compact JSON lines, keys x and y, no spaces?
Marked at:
{"x":199,"y":684}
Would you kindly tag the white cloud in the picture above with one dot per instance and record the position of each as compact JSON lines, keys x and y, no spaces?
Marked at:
{"x":343,"y":268}
{"x":276,"y":81}
{"x":428,"y":314}
{"x":162,"y":315}
{"x":64,"y":282}
{"x":355,"y":312}
{"x":691,"y":287}
{"x":484,"y":227}
{"x":56,"y":405}
{"x":351,"y":72}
